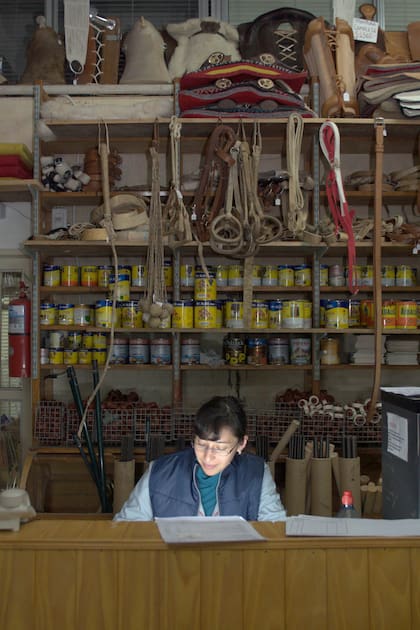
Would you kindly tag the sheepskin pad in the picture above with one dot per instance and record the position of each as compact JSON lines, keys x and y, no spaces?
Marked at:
{"x":197,"y":40}
{"x":107,"y":108}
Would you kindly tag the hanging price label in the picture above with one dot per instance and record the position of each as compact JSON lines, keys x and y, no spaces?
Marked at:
{"x":365,"y":30}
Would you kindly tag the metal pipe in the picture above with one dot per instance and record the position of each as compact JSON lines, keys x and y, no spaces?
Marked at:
{"x":99,"y":432}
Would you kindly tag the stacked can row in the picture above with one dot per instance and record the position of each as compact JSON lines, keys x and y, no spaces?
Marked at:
{"x":70,"y":348}
{"x":402,"y":315}
{"x":239,"y":350}
{"x":217,"y":313}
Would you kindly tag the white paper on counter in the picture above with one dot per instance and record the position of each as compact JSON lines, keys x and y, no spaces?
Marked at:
{"x":304,"y":525}
{"x":199,"y":529}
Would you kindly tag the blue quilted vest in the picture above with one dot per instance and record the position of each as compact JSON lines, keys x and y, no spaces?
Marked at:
{"x":174,"y":492}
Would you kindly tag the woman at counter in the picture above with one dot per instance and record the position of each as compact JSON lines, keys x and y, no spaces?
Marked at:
{"x":215,"y":477}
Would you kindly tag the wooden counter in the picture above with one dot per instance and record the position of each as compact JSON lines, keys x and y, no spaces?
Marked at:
{"x":95,"y":574}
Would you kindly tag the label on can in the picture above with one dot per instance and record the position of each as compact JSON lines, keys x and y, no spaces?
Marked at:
{"x":367,"y":313}
{"x":405,"y":276}
{"x":99,"y":355}
{"x":286,"y":275}
{"x":87,"y":340}
{"x":234,"y":314}
{"x":190,"y":351}
{"x":256,"y":275}
{"x":256,"y":351}
{"x":205,"y":288}
{"x":275,"y":310}
{"x":388,"y":276}
{"x":323,"y":275}
{"x":160,"y":352}
{"x":205,"y":314}
{"x":259,"y":315}
{"x":187,"y":275}
{"x":388,"y":314}
{"x":293,"y":313}
{"x":235,"y":275}
{"x":300,"y":351}
{"x":131,"y":315}
{"x":139,"y":350}
{"x":123,"y":287}
{"x":65,"y":314}
{"x":302,"y":275}
{"x":82,"y":315}
{"x":234,"y":350}
{"x":69,"y":276}
{"x":221,"y":276}
{"x":270,"y":277}
{"x":104,"y":272}
{"x":70,"y":356}
{"x":103,"y":314}
{"x":56,"y":356}
{"x":138,"y":275}
{"x":99,"y":340}
{"x":51,"y":275}
{"x":89,"y":276}
{"x":85,"y":356}
{"x":119,"y":353}
{"x":48,"y":314}
{"x":278,"y":351}
{"x":337,"y":314}
{"x":406,"y":314}
{"x":183,"y":314}
{"x":354,"y":313}
{"x":168,"y":273}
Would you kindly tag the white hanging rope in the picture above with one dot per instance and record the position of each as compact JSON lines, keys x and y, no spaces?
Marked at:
{"x":76,"y":29}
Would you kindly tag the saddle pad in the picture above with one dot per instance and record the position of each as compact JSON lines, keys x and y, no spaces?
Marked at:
{"x":246,"y":111}
{"x":19,"y":149}
{"x":240,"y":93}
{"x":242,"y":71}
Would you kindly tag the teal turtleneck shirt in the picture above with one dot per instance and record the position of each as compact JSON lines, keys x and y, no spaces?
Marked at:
{"x":207,"y":486}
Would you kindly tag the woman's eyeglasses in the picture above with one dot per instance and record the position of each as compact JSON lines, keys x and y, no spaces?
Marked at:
{"x":223,"y":451}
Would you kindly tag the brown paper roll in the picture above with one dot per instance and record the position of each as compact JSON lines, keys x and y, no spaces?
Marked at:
{"x":123,"y":482}
{"x":295,"y":498}
{"x":321,"y":491}
{"x":350,"y":479}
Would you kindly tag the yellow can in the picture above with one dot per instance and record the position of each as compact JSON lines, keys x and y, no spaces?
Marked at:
{"x":286,"y":275}
{"x":131,"y":315}
{"x":235,"y":276}
{"x":65,"y":314}
{"x":205,"y":287}
{"x":366,"y":276}
{"x":367,"y":313}
{"x":388,"y":276}
{"x":168,"y":273}
{"x":337,"y":314}
{"x":99,"y":355}
{"x":234,"y":314}
{"x":354,"y":313}
{"x":293,"y":313}
{"x":70,"y":356}
{"x":138,"y":275}
{"x":123,"y":287}
{"x":302,"y":275}
{"x":406,"y":315}
{"x":99,"y":341}
{"x":51,"y":276}
{"x":270,"y":276}
{"x":183,"y":314}
{"x":48,"y":314}
{"x":103,"y":314}
{"x":205,"y":314}
{"x":187,"y":275}
{"x":256,"y":275}
{"x":323,"y":275}
{"x":104,"y":273}
{"x":405,"y":276}
{"x":259,"y":315}
{"x":89,"y":276}
{"x":388,"y":314}
{"x":69,"y":276}
{"x":221,"y":276}
{"x":83,"y":315}
{"x":219,"y":313}
{"x":56,"y":356}
{"x":275,"y":310}
{"x":87,"y":340}
{"x":85,"y":356}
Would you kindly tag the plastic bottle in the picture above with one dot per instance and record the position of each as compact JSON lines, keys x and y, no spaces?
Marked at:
{"x":347,"y":509}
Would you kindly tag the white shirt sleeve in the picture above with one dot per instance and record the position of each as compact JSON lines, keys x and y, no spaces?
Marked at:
{"x":138,"y":506}
{"x":271,"y":507}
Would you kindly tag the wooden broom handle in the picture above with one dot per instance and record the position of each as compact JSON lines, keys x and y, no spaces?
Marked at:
{"x":284,"y":441}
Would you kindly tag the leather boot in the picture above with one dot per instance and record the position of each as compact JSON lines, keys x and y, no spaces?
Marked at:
{"x":320,"y":62}
{"x":344,"y":63}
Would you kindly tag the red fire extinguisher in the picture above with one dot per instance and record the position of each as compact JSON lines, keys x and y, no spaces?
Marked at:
{"x":20,"y":334}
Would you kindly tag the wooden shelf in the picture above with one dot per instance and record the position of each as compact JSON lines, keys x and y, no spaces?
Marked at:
{"x":18,"y":189}
{"x":246,"y":368}
{"x":352,"y":366}
{"x":125,"y":366}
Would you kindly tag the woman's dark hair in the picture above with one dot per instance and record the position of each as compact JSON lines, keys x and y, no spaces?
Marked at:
{"x":216,"y":414}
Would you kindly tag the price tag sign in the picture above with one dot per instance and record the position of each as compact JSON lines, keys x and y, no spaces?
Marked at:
{"x":365,"y":30}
